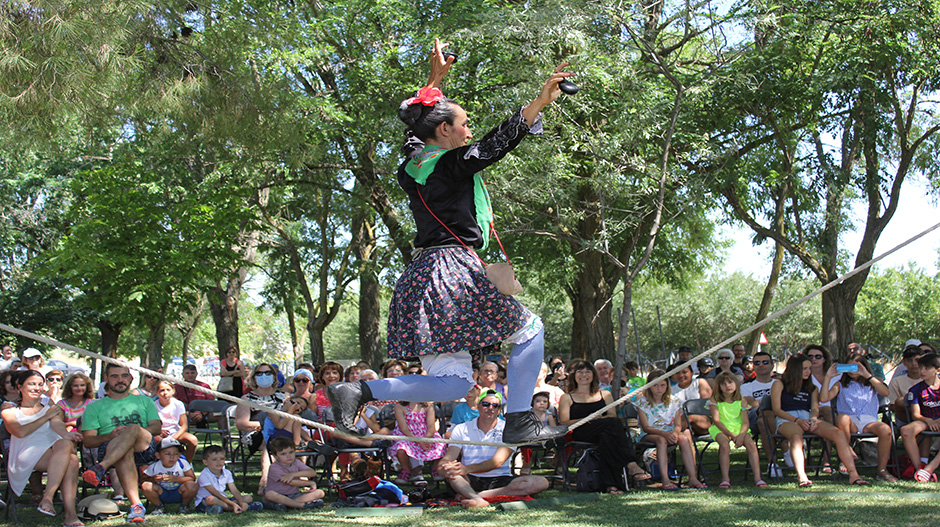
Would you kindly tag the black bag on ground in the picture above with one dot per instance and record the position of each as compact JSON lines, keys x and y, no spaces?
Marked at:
{"x":588,"y":477}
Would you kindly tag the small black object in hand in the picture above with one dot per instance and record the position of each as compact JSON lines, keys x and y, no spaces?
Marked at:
{"x":568,"y":87}
{"x":447,"y":54}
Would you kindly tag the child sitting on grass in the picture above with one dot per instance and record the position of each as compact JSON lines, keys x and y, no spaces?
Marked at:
{"x":287,"y":477}
{"x":217,"y":491}
{"x":170,"y":479}
{"x":730,"y":427}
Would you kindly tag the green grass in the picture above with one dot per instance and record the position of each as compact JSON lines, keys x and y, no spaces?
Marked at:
{"x":828,"y":503}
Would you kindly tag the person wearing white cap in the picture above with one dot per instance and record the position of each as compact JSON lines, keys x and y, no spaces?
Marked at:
{"x":33,"y":360}
{"x":170,"y":479}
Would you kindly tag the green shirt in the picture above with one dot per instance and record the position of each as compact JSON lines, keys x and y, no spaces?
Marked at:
{"x":104,"y":415}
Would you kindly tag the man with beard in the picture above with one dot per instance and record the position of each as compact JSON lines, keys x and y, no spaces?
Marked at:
{"x":121,"y":427}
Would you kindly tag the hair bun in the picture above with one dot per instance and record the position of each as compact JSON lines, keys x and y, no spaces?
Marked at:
{"x":409,"y":113}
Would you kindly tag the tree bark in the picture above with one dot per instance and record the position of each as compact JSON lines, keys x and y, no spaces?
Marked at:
{"x":110,"y":331}
{"x":155,"y":339}
{"x":223,"y":304}
{"x":592,"y":329}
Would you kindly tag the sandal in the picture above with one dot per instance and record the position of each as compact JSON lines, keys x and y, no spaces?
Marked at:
{"x":827,"y":469}
{"x":74,"y":523}
{"x":638,"y":474}
{"x":805,"y":484}
{"x":761,"y":484}
{"x":860,"y":482}
{"x":724,"y":485}
{"x":842,"y":470}
{"x":48,"y":512}
{"x":701,"y":486}
{"x":670,"y":486}
{"x":922,"y":476}
{"x":884,"y":475}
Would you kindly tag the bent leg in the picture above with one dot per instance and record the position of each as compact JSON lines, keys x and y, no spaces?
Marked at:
{"x":420,"y":388}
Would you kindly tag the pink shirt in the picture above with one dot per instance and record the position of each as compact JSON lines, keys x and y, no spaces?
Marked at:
{"x":277,"y":470}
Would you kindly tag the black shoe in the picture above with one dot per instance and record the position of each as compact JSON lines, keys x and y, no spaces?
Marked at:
{"x":346,"y":398}
{"x":524,"y":427}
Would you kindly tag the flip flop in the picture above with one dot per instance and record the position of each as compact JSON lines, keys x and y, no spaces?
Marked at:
{"x":761,"y":484}
{"x":640,"y":475}
{"x":670,"y":486}
{"x":75,"y":523}
{"x":724,"y":485}
{"x":805,"y":484}
{"x":860,"y":482}
{"x":47,"y":512}
{"x":701,"y":486}
{"x":922,"y":476}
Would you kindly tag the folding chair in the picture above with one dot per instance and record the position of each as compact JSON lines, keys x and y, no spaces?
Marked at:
{"x":216,"y":408}
{"x":699,"y":407}
{"x":808,"y":439}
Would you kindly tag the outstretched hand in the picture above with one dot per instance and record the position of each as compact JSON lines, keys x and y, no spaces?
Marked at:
{"x":550,"y":92}
{"x":440,"y":65}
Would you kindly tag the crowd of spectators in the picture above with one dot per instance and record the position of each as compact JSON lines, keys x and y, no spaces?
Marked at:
{"x":140,"y":441}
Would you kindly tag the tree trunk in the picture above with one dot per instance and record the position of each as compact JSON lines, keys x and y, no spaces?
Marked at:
{"x":754,"y":339}
{"x":369,"y":302}
{"x":838,"y":314}
{"x":315,"y":333}
{"x":110,"y":331}
{"x":592,"y":331}
{"x":223,"y":304}
{"x":296,"y":340}
{"x":155,"y":339}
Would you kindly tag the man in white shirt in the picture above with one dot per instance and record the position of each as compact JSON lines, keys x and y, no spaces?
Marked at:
{"x":752,"y":392}
{"x":6,"y":358}
{"x":483,"y":471}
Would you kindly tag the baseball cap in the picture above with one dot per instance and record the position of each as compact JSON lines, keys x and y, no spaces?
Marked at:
{"x":705,"y":363}
{"x":167,"y":442}
{"x":490,"y":393}
{"x":31,"y":352}
{"x":911,"y":342}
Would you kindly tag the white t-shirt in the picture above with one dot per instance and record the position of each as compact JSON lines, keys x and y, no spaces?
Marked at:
{"x":473,"y":454}
{"x":756,"y":389}
{"x":180,"y":468}
{"x":170,"y":415}
{"x":208,"y":479}
{"x":818,"y":388}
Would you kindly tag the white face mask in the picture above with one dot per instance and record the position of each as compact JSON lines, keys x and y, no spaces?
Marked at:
{"x":264,"y":380}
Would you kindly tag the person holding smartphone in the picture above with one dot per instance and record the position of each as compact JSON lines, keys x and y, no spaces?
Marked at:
{"x":856,"y":392}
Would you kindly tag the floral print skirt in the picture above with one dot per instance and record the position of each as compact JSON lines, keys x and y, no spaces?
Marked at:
{"x":443,"y":303}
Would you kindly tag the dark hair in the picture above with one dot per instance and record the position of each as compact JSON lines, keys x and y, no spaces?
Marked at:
{"x":930,"y":360}
{"x":769,"y":356}
{"x":110,"y":366}
{"x":792,"y":378}
{"x":22,"y":376}
{"x":913,"y":351}
{"x":684,"y":349}
{"x":578,"y":366}
{"x":859,"y":358}
{"x":827,"y":357}
{"x":541,"y":394}
{"x":190,"y":367}
{"x":424,"y":120}
{"x":631,"y":365}
{"x":280,"y":444}
{"x":212,"y":449}
{"x":929,"y":346}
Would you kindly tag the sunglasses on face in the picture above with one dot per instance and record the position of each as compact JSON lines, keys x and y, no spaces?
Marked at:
{"x":724,"y":358}
{"x":54,"y":379}
{"x":489,"y":405}
{"x":766,"y":361}
{"x":302,"y":380}
{"x":815,"y":357}
{"x":260,"y":373}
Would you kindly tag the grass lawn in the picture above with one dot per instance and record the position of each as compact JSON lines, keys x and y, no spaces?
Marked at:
{"x":826,"y":504}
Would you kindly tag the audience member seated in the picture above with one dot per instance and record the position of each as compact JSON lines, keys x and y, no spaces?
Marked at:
{"x":604,"y":369}
{"x":352,"y":373}
{"x":632,"y":372}
{"x":753,"y":392}
{"x":173,"y":419}
{"x":554,"y":392}
{"x":232,"y":366}
{"x":188,"y":395}
{"x":122,"y":427}
{"x":923,"y":401}
{"x":414,"y":419}
{"x":856,"y":394}
{"x":684,"y":355}
{"x":6,"y":357}
{"x":901,"y":384}
{"x":729,"y":416}
{"x":290,"y":481}
{"x":54,"y":385}
{"x":278,"y":426}
{"x":705,"y":366}
{"x":740,"y":353}
{"x":489,"y":372}
{"x":584,"y":398}
{"x":796,"y":405}
{"x":658,"y":413}
{"x":302,"y":386}
{"x":540,"y":407}
{"x":725,"y":357}
{"x":483,"y":471}
{"x":467,"y":410}
{"x":169,"y":479}
{"x":40,"y":442}
{"x":248,"y":420}
{"x":33,"y":360}
{"x":687,"y":388}
{"x":148,"y":384}
{"x":747,"y":368}
{"x":77,"y":394}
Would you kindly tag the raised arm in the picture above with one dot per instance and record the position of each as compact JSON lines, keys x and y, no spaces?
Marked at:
{"x":439,"y":65}
{"x":549,"y":93}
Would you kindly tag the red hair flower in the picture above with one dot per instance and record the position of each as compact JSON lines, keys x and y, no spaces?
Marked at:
{"x":428,"y":96}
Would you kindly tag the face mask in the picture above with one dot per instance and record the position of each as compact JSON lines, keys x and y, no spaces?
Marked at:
{"x":264,"y":380}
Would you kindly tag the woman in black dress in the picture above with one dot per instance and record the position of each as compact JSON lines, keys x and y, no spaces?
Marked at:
{"x":584,"y":398}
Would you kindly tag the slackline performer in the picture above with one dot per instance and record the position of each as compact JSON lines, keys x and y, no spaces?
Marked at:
{"x":444,"y":307}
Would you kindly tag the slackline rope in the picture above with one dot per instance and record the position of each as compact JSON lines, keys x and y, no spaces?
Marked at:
{"x":590,"y":417}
